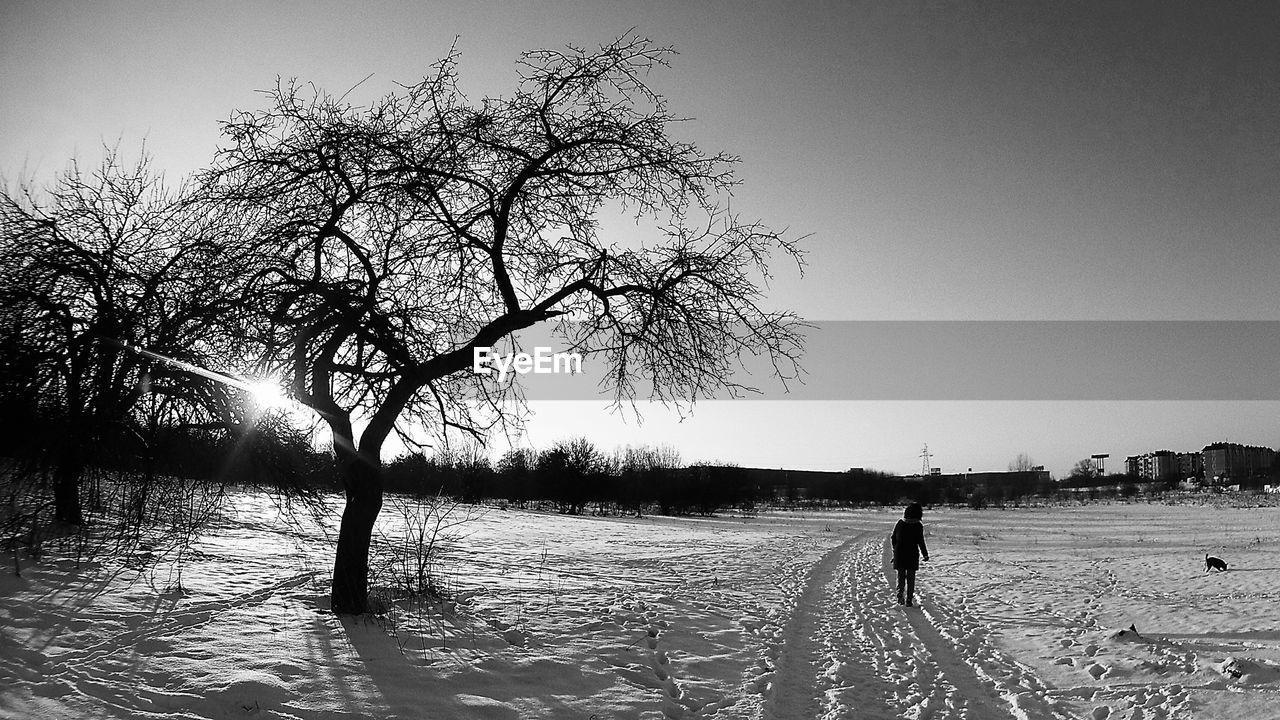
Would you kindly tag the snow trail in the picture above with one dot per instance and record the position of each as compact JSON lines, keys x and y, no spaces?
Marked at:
{"x":960,"y":670}
{"x":848,"y":650}
{"x":822,"y":657}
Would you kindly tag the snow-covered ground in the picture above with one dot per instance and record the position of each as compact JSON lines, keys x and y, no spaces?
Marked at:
{"x":1024,"y":613}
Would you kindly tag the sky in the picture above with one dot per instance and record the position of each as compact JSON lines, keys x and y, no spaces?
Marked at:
{"x":945,"y":162}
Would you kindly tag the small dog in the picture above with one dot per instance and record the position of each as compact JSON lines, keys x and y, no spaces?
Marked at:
{"x":1213,"y":563}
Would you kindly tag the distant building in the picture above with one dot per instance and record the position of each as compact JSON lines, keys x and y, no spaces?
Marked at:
{"x":785,"y":485}
{"x":1165,"y":466}
{"x":1158,"y":466}
{"x":1190,"y":465}
{"x":997,"y":484}
{"x":1132,"y":465}
{"x":1223,"y":461}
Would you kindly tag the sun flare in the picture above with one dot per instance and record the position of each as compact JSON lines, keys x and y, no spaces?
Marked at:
{"x":268,"y":395}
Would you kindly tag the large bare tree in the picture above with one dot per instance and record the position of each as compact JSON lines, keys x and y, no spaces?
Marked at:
{"x":392,"y":239}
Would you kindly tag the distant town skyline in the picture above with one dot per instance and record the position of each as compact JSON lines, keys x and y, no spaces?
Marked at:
{"x":1022,"y":161}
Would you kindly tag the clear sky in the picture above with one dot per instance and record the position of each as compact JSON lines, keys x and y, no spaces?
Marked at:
{"x":950,"y":161}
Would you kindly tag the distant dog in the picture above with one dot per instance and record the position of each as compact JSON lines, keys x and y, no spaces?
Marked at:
{"x":1213,"y":563}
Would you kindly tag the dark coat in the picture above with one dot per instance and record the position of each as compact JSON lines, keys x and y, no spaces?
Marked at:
{"x":908,"y":545}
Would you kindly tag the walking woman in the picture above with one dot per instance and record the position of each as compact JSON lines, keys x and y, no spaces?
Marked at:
{"x":908,"y":547}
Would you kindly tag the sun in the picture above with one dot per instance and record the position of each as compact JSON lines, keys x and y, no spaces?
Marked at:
{"x":268,"y":395}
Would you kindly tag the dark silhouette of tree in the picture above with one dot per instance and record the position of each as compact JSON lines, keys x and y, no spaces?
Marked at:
{"x":98,"y":264}
{"x":644,"y":475}
{"x":392,"y":240}
{"x":704,"y":489}
{"x":1085,"y":469}
{"x":471,"y":476}
{"x":21,"y":416}
{"x":515,"y":476}
{"x":1022,"y":463}
{"x":572,"y":473}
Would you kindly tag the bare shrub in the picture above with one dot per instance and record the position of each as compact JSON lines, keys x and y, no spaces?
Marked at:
{"x":408,"y":549}
{"x":138,"y":521}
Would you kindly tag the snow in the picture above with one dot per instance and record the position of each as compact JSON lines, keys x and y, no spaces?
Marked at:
{"x":1022,"y":613}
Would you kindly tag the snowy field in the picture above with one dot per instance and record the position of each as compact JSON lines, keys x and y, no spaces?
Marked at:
{"x":1024,"y":613}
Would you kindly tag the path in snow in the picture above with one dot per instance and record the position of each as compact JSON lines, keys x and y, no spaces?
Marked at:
{"x":849,"y":650}
{"x":819,"y":647}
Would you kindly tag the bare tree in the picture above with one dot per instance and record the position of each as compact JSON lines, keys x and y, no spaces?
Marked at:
{"x":1084,"y":468}
{"x":573,"y":473}
{"x":1022,"y":463}
{"x":93,"y":267}
{"x":393,"y":240}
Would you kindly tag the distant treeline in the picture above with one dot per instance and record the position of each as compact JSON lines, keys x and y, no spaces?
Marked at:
{"x":575,"y":477}
{"x":572,"y":476}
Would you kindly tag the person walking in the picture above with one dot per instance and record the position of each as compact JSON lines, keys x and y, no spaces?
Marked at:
{"x":908,"y":548}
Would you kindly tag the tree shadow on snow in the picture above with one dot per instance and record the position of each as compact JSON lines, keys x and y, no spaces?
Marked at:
{"x":477,"y":683}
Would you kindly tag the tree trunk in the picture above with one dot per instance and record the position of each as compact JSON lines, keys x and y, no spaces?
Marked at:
{"x":361,"y":471}
{"x":66,"y":491}
{"x":362,"y":480}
